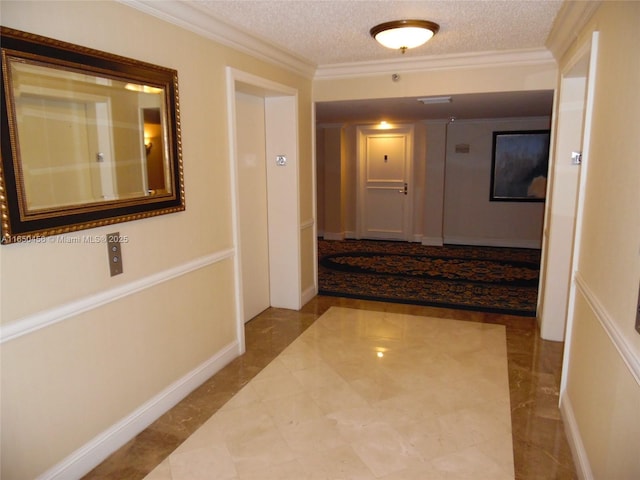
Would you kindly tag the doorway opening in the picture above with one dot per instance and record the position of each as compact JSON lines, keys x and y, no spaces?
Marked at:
{"x":265,"y":204}
{"x":561,"y":212}
{"x":452,"y":209}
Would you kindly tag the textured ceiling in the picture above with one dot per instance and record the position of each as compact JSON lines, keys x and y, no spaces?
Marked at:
{"x":336,"y":32}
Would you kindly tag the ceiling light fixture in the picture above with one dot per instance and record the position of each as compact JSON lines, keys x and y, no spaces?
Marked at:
{"x":432,"y":100}
{"x":404,"y":34}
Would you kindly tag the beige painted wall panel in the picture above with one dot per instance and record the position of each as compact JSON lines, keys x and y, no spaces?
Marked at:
{"x":332,"y":170}
{"x":469,"y":216}
{"x":320,"y":158}
{"x":434,"y":181}
{"x":466,"y":215}
{"x":306,"y":124}
{"x":601,"y":389}
{"x":139,"y":345}
{"x":605,"y":399}
{"x":439,"y":82}
{"x":308,"y":259}
{"x":612,"y":192}
{"x":64,"y":384}
{"x":60,"y":273}
{"x":350,"y":176}
{"x":418,"y":184}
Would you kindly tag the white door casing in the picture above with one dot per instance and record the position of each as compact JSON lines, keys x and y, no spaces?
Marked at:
{"x":282,"y":191}
{"x":571,"y":134}
{"x":592,"y":53}
{"x":385,"y":193}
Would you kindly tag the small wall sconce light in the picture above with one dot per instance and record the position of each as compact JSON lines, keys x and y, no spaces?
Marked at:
{"x":404,"y":34}
{"x":147,"y":145}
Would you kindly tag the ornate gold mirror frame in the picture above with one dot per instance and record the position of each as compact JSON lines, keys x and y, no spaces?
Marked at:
{"x":88,"y":138}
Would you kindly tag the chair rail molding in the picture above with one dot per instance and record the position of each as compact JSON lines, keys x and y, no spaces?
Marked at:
{"x":36,"y":321}
{"x":619,"y":340}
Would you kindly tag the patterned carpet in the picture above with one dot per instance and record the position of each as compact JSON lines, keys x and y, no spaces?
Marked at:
{"x":487,"y":279}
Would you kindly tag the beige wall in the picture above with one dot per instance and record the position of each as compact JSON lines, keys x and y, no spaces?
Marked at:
{"x":601,"y":396}
{"x":441,"y":81}
{"x":173,"y":308}
{"x":333,"y":225}
{"x":436,"y":148}
{"x":469,"y":216}
{"x":451,"y":208}
{"x":429,"y":138}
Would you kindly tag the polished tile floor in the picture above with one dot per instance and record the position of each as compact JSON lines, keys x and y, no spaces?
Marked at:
{"x":365,"y":395}
{"x":540,"y":450}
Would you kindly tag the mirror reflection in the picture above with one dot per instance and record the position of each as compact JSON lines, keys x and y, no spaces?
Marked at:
{"x":91,"y":138}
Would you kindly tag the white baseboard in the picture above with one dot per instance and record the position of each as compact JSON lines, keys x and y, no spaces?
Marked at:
{"x":333,"y":235}
{"x":90,"y":455}
{"x":583,"y":468}
{"x":492,"y":242}
{"x":308,"y":294}
{"x":431,"y":241}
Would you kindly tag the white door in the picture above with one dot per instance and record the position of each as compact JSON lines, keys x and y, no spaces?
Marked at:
{"x":385,"y":188}
{"x":104,"y":170}
{"x":252,"y":199}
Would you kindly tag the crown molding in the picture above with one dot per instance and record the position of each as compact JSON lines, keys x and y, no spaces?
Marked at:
{"x":197,"y":19}
{"x":570,"y":20}
{"x":534,"y":56}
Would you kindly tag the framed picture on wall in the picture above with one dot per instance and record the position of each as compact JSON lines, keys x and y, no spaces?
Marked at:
{"x":519,"y":166}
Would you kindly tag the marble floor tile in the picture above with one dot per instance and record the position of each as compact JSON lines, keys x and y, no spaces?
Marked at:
{"x":277,"y":421}
{"x":442,"y":428}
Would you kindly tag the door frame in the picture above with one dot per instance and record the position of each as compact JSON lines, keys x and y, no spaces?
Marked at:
{"x":364,"y":132}
{"x":589,"y":50}
{"x":562,"y":215}
{"x":283,"y":191}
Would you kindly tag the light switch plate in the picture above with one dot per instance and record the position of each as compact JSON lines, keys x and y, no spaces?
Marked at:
{"x":576,"y":158}
{"x":115,"y":253}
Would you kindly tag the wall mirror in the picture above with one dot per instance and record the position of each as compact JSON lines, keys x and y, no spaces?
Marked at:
{"x":88,"y":138}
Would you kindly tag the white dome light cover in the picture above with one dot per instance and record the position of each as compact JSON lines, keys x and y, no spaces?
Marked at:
{"x":404,"y":34}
